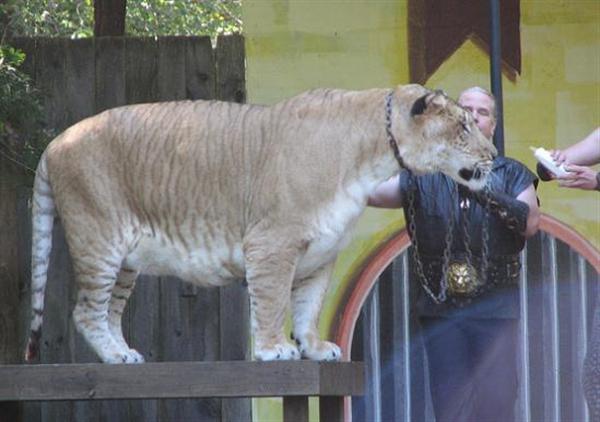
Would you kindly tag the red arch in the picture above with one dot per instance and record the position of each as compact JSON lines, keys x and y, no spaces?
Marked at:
{"x":360,"y":288}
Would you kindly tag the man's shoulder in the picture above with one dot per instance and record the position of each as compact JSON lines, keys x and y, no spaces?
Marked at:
{"x":502,"y":161}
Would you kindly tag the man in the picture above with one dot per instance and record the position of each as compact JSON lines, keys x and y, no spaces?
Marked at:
{"x":465,"y":257}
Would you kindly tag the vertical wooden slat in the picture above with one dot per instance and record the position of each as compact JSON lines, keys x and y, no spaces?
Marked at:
{"x":200,"y":70}
{"x":234,"y":335}
{"x":50,"y":70}
{"x":141,"y":68}
{"x":189,"y":330}
{"x":141,"y":322}
{"x":171,"y":68}
{"x":331,"y":408}
{"x":295,"y":409}
{"x":11,"y":327}
{"x":110,"y":72}
{"x":230,"y":52}
{"x":56,"y":332}
{"x":79,"y":87}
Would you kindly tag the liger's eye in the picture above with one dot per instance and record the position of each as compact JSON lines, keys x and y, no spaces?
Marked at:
{"x":465,"y":127}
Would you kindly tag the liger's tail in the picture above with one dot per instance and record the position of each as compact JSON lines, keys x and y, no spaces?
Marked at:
{"x":42,"y":216}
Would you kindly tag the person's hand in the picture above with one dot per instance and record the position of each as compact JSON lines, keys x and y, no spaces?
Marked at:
{"x":580,"y":177}
{"x":558,"y":156}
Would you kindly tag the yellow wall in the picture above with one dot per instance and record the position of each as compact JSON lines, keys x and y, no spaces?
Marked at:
{"x":296,"y":45}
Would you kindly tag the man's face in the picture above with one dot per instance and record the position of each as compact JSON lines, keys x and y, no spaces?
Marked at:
{"x":480,"y":106}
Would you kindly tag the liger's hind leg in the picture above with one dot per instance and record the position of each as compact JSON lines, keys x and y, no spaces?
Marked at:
{"x":307,"y":299}
{"x":120,"y":294}
{"x":96,"y":282}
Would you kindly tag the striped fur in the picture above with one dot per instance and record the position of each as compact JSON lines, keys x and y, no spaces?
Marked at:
{"x":212,"y":192}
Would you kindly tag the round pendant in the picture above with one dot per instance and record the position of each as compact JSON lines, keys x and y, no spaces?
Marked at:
{"x":462,"y":279}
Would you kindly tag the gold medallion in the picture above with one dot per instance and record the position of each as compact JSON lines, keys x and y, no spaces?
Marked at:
{"x":462,"y":279}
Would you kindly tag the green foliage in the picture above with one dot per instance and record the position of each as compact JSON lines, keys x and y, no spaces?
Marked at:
{"x":75,"y":18}
{"x":180,"y":17}
{"x":22,"y":138}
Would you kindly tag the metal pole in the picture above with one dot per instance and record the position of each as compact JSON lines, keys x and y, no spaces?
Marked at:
{"x":496,"y":73}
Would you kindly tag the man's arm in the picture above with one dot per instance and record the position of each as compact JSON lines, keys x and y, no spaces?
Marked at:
{"x":521,"y":214}
{"x":387,"y":194}
{"x":533,"y":218}
{"x":584,"y":153}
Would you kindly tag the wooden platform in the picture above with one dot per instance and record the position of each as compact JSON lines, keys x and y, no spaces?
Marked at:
{"x":294,"y":381}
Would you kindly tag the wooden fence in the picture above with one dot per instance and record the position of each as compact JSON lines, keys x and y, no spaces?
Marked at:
{"x":166,"y":320}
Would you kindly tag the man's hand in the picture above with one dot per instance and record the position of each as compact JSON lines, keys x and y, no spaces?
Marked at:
{"x":580,"y":177}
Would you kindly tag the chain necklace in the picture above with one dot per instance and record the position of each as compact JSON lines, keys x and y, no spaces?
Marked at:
{"x":464,"y":205}
{"x":388,"y":129}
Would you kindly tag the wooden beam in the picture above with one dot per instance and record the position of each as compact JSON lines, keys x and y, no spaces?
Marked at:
{"x":179,"y":380}
{"x":109,"y":17}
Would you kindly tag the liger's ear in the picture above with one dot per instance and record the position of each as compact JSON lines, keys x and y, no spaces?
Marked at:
{"x":419,"y":106}
{"x":434,"y":100}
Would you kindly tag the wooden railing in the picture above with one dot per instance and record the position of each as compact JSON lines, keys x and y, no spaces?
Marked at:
{"x":295,"y":381}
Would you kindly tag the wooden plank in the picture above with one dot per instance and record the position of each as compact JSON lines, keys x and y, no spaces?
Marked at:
{"x":231,"y":82}
{"x":58,"y":335}
{"x":50,"y":67}
{"x":178,"y":380}
{"x":189,"y":331}
{"x":171,"y":69}
{"x":9,"y":292}
{"x":141,"y":68}
{"x":235,"y":339}
{"x":141,"y":323}
{"x":200,"y":71}
{"x":80,"y":82}
{"x":343,"y":376}
{"x":331,"y":408}
{"x":110,"y":72}
{"x":295,"y":409}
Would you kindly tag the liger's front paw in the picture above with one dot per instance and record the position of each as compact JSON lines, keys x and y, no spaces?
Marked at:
{"x":321,"y":351}
{"x":279,"y":351}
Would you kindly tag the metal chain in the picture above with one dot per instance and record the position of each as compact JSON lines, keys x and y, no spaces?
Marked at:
{"x":441,"y":296}
{"x":485,"y":236}
{"x":388,"y":129}
{"x":484,"y":239}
